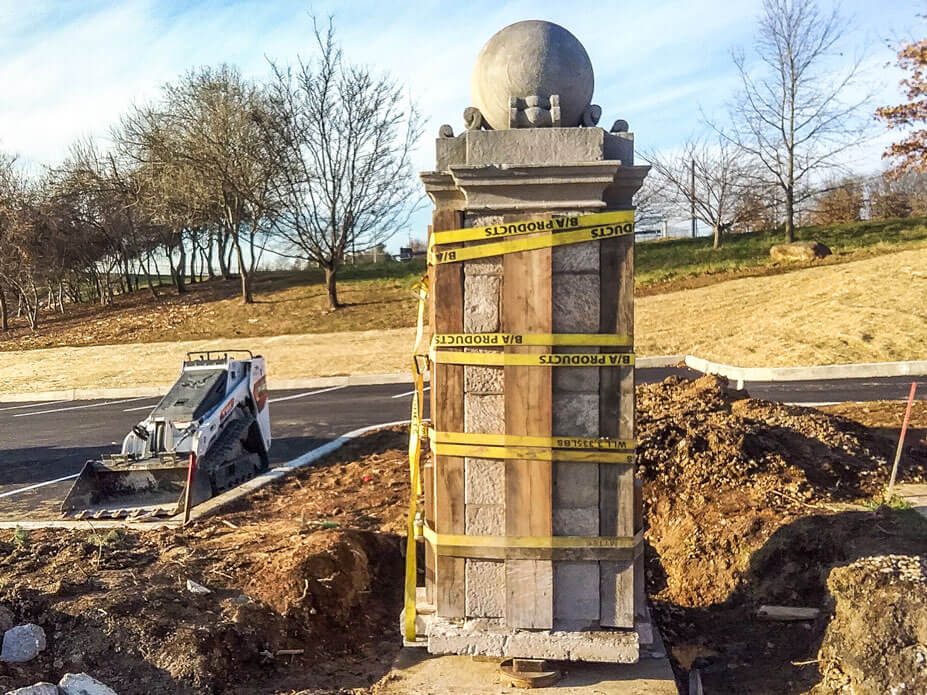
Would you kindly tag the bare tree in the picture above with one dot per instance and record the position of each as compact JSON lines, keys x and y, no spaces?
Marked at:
{"x":344,"y":136}
{"x":208,"y":126}
{"x":720,"y":173}
{"x":790,"y":114}
{"x":840,"y":202}
{"x":8,"y":190}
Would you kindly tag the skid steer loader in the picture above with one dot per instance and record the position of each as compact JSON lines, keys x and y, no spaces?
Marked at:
{"x":209,"y":433}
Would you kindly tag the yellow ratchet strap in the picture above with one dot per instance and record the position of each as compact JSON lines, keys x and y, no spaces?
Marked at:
{"x":502,"y":359}
{"x":441,"y":340}
{"x":418,"y":430}
{"x":457,"y":545}
{"x":554,"y":224}
{"x":531,"y":453}
{"x":605,"y":443}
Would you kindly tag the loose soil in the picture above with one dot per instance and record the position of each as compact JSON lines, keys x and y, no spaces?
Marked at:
{"x":747,"y":503}
{"x":876,"y":642}
{"x":312,"y":563}
{"x":752,"y":503}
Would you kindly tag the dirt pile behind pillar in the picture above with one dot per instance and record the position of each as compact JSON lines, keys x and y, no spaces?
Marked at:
{"x":722,"y":472}
{"x":876,"y":642}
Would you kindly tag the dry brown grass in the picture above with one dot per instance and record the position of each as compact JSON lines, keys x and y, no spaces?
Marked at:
{"x":866,"y":311}
{"x":285,"y":303}
{"x":149,"y":364}
{"x":873,"y":310}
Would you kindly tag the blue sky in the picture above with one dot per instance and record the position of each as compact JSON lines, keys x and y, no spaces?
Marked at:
{"x":69,"y":68}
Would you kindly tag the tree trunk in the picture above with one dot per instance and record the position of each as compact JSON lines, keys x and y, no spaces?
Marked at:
{"x":246,"y":297}
{"x":4,"y":313}
{"x":151,"y":288}
{"x":789,"y":215}
{"x":717,"y":231}
{"x":221,"y":245}
{"x":331,"y":284}
{"x":127,"y":273}
{"x":193,"y":247}
{"x":207,"y":256}
{"x":181,"y":270}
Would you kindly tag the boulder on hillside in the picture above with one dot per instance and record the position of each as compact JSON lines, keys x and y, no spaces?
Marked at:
{"x":799,"y":251}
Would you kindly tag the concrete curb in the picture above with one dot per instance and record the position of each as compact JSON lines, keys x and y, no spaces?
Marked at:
{"x":830,"y":371}
{"x":213,"y":505}
{"x":660,"y":361}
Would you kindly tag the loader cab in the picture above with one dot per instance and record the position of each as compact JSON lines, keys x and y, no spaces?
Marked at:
{"x":204,"y":382}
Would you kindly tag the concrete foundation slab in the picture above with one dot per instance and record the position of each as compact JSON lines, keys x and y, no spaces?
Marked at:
{"x":486,"y":637}
{"x":417,"y":673}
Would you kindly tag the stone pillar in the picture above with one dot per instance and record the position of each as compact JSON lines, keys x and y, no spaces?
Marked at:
{"x":504,"y":175}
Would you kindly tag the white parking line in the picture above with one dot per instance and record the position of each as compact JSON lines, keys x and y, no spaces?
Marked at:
{"x":37,"y":485}
{"x":409,"y":393}
{"x":31,"y":405}
{"x":307,"y":393}
{"x":82,"y":407}
{"x":150,"y":406}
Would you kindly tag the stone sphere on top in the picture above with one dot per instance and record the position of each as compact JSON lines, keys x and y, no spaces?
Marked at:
{"x":532,"y":59}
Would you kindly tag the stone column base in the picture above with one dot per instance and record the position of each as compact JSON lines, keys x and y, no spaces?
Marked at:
{"x":490,"y":637}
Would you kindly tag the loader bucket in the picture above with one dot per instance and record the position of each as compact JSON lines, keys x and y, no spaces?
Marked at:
{"x":115,"y":489}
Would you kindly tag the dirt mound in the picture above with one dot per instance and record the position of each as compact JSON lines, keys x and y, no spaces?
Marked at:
{"x":876,"y":642}
{"x":748,"y":502}
{"x":305,"y":580}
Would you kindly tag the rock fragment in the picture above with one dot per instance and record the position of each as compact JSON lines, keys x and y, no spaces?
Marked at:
{"x":37,"y":689}
{"x":22,"y":643}
{"x":197,"y":588}
{"x":82,"y":684}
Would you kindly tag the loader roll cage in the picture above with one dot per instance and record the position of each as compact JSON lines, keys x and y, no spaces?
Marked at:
{"x":207,"y":355}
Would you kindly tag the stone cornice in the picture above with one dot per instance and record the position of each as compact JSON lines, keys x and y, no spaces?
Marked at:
{"x":536,"y":187}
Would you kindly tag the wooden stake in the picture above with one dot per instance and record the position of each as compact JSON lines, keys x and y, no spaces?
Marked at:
{"x":188,"y":492}
{"x":904,"y":429}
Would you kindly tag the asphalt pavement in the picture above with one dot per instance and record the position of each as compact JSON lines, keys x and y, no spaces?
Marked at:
{"x":44,"y":445}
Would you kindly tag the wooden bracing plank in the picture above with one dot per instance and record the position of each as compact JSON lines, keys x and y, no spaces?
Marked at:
{"x":447,"y":409}
{"x":527,"y":308}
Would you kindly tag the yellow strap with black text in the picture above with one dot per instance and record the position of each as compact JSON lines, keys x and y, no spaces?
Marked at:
{"x":441,"y":340}
{"x":418,"y":430}
{"x":502,"y":359}
{"x":455,"y":545}
{"x":546,"y":241}
{"x":554,"y":224}
{"x":530,"y":453}
{"x":594,"y":443}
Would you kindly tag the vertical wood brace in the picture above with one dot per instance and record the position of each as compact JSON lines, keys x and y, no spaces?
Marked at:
{"x":527,"y":308}
{"x":447,"y":412}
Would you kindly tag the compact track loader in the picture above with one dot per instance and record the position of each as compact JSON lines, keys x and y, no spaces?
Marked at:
{"x":209,"y":433}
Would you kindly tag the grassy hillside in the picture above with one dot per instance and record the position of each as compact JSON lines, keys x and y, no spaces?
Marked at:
{"x":374,"y":297}
{"x":380,"y":296}
{"x":821,"y":315}
{"x":672,"y":264}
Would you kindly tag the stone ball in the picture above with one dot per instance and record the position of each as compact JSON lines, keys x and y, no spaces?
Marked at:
{"x":530,"y":58}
